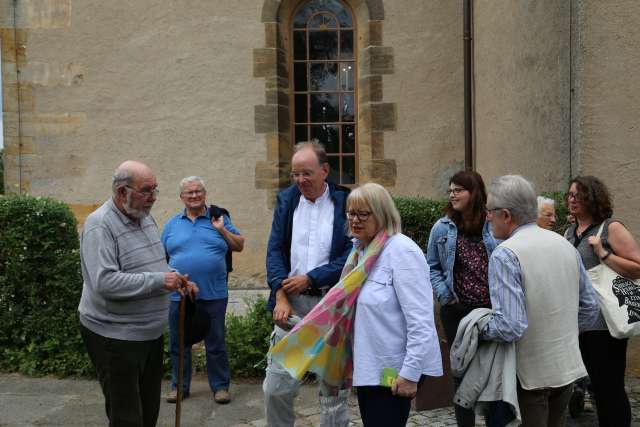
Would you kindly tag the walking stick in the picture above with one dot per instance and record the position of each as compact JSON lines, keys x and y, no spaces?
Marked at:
{"x":181,"y":358}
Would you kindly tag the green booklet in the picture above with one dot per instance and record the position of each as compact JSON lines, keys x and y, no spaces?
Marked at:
{"x":388,"y":376}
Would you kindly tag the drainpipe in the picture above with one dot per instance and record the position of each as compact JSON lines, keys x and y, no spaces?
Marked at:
{"x":18,"y":94}
{"x":468,"y":72}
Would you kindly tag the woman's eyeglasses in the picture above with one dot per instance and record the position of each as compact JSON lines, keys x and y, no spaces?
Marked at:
{"x":361,"y":215}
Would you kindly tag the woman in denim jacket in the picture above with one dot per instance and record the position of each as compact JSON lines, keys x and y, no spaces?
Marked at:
{"x":458,"y":251}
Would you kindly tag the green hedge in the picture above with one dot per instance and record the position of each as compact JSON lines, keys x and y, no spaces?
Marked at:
{"x":418,"y":216}
{"x":40,"y":286}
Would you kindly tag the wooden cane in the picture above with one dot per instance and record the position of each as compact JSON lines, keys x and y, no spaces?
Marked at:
{"x":181,"y":358}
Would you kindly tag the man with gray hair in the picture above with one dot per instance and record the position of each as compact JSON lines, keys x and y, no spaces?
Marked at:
{"x":198,"y":242}
{"x":123,"y":308}
{"x":541,"y":298}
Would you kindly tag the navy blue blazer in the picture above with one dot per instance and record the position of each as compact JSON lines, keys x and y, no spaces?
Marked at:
{"x":279,"y":246}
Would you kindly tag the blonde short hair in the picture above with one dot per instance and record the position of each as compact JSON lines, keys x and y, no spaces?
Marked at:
{"x":379,"y":201}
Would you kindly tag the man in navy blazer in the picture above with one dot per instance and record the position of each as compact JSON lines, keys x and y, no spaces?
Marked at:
{"x":307,"y":249}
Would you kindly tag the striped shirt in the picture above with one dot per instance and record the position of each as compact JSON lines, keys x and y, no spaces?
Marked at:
{"x":123,"y":266}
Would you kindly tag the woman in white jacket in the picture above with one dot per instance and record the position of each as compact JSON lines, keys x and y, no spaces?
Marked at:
{"x":394,"y":321}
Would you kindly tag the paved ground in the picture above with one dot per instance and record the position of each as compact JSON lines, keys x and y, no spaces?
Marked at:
{"x":52,"y":402}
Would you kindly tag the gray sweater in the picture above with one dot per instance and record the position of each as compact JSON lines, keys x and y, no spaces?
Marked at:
{"x":123,"y":265}
{"x":487,"y":368}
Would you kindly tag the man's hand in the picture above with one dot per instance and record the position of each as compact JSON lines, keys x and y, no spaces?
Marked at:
{"x":173,"y":281}
{"x":191,"y":289}
{"x":404,"y":388}
{"x":218,"y":223}
{"x":296,"y":284}
{"x":282,"y":310}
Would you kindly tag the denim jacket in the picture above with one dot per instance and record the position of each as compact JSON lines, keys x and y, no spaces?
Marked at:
{"x":441,"y":256}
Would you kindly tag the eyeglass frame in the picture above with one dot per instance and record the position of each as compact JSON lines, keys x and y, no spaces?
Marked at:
{"x":569,"y":194}
{"x":145,"y":194}
{"x":192,"y":192}
{"x":456,"y":190}
{"x":351,"y":215}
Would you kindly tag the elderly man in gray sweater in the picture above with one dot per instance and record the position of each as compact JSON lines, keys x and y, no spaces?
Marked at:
{"x":125,"y":297}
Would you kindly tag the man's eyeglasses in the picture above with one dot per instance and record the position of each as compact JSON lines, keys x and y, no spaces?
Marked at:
{"x":145,"y":193}
{"x":455,"y":191}
{"x":361,"y":215}
{"x":192,"y":193}
{"x":304,"y":174}
{"x":491,"y":210}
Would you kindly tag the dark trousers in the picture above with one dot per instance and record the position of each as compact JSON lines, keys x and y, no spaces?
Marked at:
{"x":130,"y":375}
{"x":450,"y":316}
{"x":544,"y":407}
{"x":605,"y":358}
{"x":380,"y":408}
{"x":216,"y":350}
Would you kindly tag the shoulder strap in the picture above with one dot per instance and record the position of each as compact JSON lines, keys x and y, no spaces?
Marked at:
{"x":601,"y":228}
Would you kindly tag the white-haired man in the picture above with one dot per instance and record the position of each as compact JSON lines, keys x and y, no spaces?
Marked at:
{"x":541,"y":297}
{"x":198,"y":242}
{"x":546,"y":212}
{"x":123,"y":308}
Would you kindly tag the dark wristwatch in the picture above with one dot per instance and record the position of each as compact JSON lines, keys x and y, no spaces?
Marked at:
{"x":606,"y":256}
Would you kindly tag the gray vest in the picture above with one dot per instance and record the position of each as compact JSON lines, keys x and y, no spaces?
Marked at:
{"x":548,"y":355}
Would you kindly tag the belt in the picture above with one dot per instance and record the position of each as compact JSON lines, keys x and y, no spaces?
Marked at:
{"x":313,"y":292}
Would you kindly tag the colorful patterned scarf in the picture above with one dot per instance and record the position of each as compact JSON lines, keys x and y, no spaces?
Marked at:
{"x":322,"y":342}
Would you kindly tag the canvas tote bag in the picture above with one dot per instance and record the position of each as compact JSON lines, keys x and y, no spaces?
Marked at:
{"x":619,"y":299}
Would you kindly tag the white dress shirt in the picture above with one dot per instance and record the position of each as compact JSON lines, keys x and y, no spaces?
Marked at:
{"x":394,"y":326}
{"x":311,"y":234}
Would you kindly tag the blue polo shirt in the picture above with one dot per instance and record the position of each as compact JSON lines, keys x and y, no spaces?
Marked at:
{"x":198,"y":249}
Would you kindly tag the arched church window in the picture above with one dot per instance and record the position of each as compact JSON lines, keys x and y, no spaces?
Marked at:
{"x":324,"y":86}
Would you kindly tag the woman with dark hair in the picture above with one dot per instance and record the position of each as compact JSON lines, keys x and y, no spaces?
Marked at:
{"x":458,"y":251}
{"x":589,"y":202}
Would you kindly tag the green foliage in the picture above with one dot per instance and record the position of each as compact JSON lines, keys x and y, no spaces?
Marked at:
{"x":248,"y":340}
{"x":1,"y":171}
{"x":418,"y":216}
{"x":40,"y":286}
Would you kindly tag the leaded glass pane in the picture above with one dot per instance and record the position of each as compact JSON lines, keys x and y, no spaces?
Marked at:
{"x":324,"y":76}
{"x":323,"y":45}
{"x":347,"y":76}
{"x":347,"y":108}
{"x":301,"y":108}
{"x":301,"y":133}
{"x":334,"y":169}
{"x":348,"y":139}
{"x":346,"y":44}
{"x":324,"y":108}
{"x":348,"y":170}
{"x":328,"y":135}
{"x":300,"y":76}
{"x":300,"y":45}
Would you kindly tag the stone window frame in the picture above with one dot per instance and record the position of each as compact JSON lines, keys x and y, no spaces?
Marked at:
{"x":272,"y":119}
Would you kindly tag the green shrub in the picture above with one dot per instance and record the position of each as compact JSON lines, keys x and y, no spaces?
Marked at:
{"x":248,"y":340}
{"x":418,"y":216}
{"x":40,"y":286}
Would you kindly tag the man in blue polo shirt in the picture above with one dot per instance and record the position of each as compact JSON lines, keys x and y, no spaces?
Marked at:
{"x":197,"y":245}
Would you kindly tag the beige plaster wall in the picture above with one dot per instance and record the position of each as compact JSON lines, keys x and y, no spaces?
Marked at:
{"x":522,"y":90}
{"x":427,"y":87}
{"x":606,"y":135}
{"x":168,"y":83}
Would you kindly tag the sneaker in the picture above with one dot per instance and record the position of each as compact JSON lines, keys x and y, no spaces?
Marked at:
{"x":172,"y":397}
{"x":221,"y":396}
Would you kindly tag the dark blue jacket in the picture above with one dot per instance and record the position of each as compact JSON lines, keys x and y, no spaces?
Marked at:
{"x":279,"y":246}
